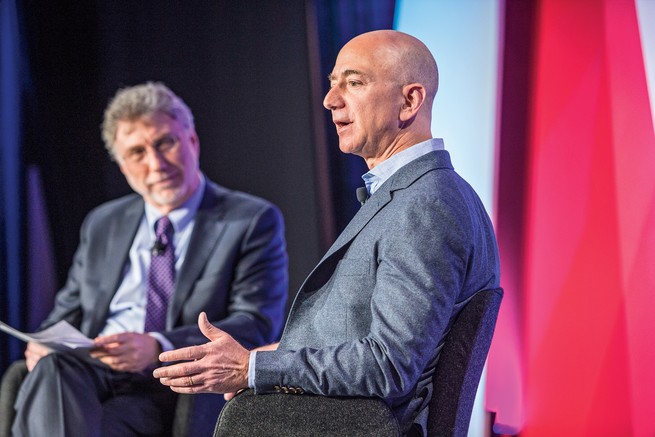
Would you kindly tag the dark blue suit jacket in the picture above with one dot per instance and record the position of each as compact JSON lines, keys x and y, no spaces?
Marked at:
{"x":235,"y":269}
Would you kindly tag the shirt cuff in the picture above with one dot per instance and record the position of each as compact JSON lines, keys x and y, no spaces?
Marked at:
{"x":165,"y":344}
{"x":251,"y":369}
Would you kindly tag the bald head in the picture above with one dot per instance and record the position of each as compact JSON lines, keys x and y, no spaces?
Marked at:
{"x":403,"y":56}
{"x":381,"y":91}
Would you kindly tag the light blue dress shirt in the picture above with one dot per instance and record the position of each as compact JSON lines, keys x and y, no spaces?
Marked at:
{"x":127,"y":309}
{"x":379,"y":174}
{"x":374,"y":179}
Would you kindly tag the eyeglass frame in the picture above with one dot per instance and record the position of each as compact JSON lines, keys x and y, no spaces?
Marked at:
{"x":163,"y":145}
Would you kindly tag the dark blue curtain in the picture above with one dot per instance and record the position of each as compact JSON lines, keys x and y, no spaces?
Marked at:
{"x":11,"y":184}
{"x":338,"y":21}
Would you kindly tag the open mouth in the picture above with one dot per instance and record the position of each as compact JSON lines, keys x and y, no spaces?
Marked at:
{"x":341,"y":125}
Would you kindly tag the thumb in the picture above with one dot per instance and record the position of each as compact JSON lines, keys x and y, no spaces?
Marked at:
{"x":208,"y":330}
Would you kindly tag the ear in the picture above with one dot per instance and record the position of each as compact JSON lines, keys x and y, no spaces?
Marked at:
{"x":414,"y":96}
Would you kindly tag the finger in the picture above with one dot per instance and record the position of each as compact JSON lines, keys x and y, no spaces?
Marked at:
{"x":109,"y":339}
{"x":183,"y":381}
{"x":37,"y":349}
{"x":97,"y":353}
{"x":111,"y":360}
{"x":181,"y":370}
{"x":109,"y":349}
{"x":228,"y":396}
{"x":208,"y":330}
{"x":188,"y":390}
{"x":35,"y":352}
{"x":185,"y":353}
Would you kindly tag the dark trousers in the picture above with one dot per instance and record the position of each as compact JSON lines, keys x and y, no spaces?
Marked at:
{"x":67,"y":395}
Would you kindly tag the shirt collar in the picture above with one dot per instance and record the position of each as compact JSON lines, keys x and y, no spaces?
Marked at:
{"x":378,"y":175}
{"x":180,"y":217}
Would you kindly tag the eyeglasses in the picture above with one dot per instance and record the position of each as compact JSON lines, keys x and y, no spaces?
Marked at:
{"x":163,"y":145}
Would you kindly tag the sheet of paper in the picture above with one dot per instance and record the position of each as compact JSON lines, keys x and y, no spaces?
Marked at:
{"x":61,"y":334}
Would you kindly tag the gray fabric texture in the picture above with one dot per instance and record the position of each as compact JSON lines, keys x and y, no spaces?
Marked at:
{"x":251,"y":415}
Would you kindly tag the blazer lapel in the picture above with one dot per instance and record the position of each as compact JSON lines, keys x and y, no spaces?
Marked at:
{"x":120,"y":235}
{"x":403,"y":178}
{"x":207,"y":230}
{"x":372,"y":206}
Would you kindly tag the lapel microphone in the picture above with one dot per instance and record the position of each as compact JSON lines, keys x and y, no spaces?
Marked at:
{"x":158,"y":248}
{"x":362,"y":195}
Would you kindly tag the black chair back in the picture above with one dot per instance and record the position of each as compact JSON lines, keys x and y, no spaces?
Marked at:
{"x":460,"y":365}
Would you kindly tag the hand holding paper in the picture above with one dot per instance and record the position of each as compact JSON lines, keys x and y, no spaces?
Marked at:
{"x":61,"y":335}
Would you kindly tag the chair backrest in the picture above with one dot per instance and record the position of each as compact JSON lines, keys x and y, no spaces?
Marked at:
{"x":11,"y":381}
{"x":460,"y":365}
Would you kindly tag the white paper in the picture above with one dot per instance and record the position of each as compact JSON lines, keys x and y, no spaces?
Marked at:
{"x":61,"y":335}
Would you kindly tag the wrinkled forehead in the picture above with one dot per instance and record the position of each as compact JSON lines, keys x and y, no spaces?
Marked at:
{"x":147,"y":124}
{"x":157,"y":119}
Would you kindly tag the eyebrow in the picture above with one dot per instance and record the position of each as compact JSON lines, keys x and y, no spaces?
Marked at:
{"x":345,"y":73}
{"x":157,"y":141}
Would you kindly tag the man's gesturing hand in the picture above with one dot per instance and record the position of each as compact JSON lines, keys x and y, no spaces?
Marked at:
{"x":219,"y":366}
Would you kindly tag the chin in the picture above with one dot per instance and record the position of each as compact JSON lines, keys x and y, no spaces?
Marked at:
{"x":172,"y":198}
{"x":346,"y":148}
{"x":350,"y":146}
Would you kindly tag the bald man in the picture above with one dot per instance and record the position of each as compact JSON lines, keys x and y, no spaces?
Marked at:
{"x":371,"y":317}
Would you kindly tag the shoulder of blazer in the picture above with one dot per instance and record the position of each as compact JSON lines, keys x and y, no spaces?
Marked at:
{"x":223,"y":200}
{"x":408,"y":174}
{"x":128,"y":207}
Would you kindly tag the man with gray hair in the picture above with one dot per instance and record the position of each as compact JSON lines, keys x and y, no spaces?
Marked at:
{"x":146,"y":266}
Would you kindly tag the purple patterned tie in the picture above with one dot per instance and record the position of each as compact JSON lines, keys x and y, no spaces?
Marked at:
{"x":161,"y":276}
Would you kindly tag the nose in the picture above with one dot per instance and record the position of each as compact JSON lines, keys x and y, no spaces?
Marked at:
{"x":332,"y":99}
{"x":156,"y":160}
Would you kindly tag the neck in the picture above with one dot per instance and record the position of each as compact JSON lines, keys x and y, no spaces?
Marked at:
{"x":400,"y":143}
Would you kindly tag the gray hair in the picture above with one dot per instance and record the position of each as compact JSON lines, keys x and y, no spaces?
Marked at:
{"x":132,"y":103}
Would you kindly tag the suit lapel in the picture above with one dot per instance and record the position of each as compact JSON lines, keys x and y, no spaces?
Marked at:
{"x":120,"y":235}
{"x":328,"y":263}
{"x":207,"y":230}
{"x":402,"y":179}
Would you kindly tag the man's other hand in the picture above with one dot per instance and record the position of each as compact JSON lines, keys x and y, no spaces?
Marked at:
{"x":127,"y":351}
{"x":33,"y":353}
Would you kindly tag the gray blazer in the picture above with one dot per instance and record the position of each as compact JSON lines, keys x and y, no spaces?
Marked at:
{"x":235,"y":269}
{"x":370,"y":318}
